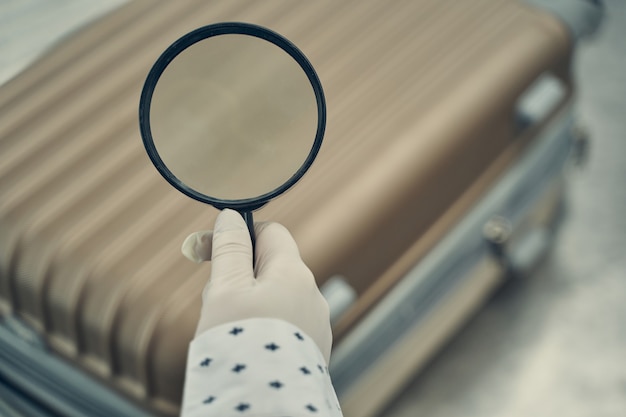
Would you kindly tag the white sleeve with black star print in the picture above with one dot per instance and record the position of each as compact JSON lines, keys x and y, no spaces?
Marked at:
{"x":258,"y":367}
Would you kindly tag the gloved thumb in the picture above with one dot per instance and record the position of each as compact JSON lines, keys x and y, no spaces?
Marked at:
{"x":231,"y":260}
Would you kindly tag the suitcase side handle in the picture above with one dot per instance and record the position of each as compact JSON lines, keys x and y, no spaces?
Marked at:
{"x":539,"y":101}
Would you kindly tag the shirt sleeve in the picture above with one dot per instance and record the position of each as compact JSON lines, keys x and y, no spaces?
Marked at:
{"x":258,"y":367}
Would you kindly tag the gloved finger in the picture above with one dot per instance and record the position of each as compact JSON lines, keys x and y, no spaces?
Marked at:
{"x":277,"y":254}
{"x":197,"y":246}
{"x":231,"y":258}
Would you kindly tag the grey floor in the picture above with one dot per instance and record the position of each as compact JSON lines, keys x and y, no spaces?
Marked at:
{"x":30,"y":27}
{"x":555,"y":344}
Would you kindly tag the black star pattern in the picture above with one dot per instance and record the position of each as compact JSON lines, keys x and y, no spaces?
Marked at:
{"x":311,"y":408}
{"x":239,"y":367}
{"x":235,"y":331}
{"x":272,"y":346}
{"x":205,"y":362}
{"x":209,"y":400}
{"x":320,"y":368}
{"x":298,"y":335}
{"x":276,"y":384}
{"x":242,"y":407}
{"x":305,"y":370}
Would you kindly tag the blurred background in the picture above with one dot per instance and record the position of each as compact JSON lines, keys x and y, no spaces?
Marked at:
{"x":551,"y":344}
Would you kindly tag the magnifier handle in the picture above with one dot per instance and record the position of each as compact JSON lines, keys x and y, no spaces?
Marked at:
{"x":247,"y":216}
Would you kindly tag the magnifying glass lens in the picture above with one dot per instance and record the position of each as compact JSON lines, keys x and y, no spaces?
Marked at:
{"x":233,"y":116}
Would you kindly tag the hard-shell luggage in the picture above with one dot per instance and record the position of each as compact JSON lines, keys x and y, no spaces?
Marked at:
{"x":440,"y":173}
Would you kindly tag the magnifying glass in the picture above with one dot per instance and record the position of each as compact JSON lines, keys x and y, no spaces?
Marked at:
{"x":232,"y":115}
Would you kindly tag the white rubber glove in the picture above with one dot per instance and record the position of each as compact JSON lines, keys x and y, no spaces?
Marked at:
{"x":280,"y":286}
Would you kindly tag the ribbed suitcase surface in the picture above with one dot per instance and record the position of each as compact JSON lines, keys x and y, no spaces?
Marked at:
{"x":421,"y":98}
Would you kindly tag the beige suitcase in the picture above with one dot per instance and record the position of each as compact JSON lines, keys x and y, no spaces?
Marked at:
{"x":441,"y":115}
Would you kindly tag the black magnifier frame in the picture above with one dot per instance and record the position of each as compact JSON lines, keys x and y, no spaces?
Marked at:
{"x":246,"y":205}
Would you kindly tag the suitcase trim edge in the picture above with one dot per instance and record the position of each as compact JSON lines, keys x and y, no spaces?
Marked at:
{"x":444,"y":267}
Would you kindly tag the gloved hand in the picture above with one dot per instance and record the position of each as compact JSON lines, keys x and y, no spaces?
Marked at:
{"x":280,"y":286}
